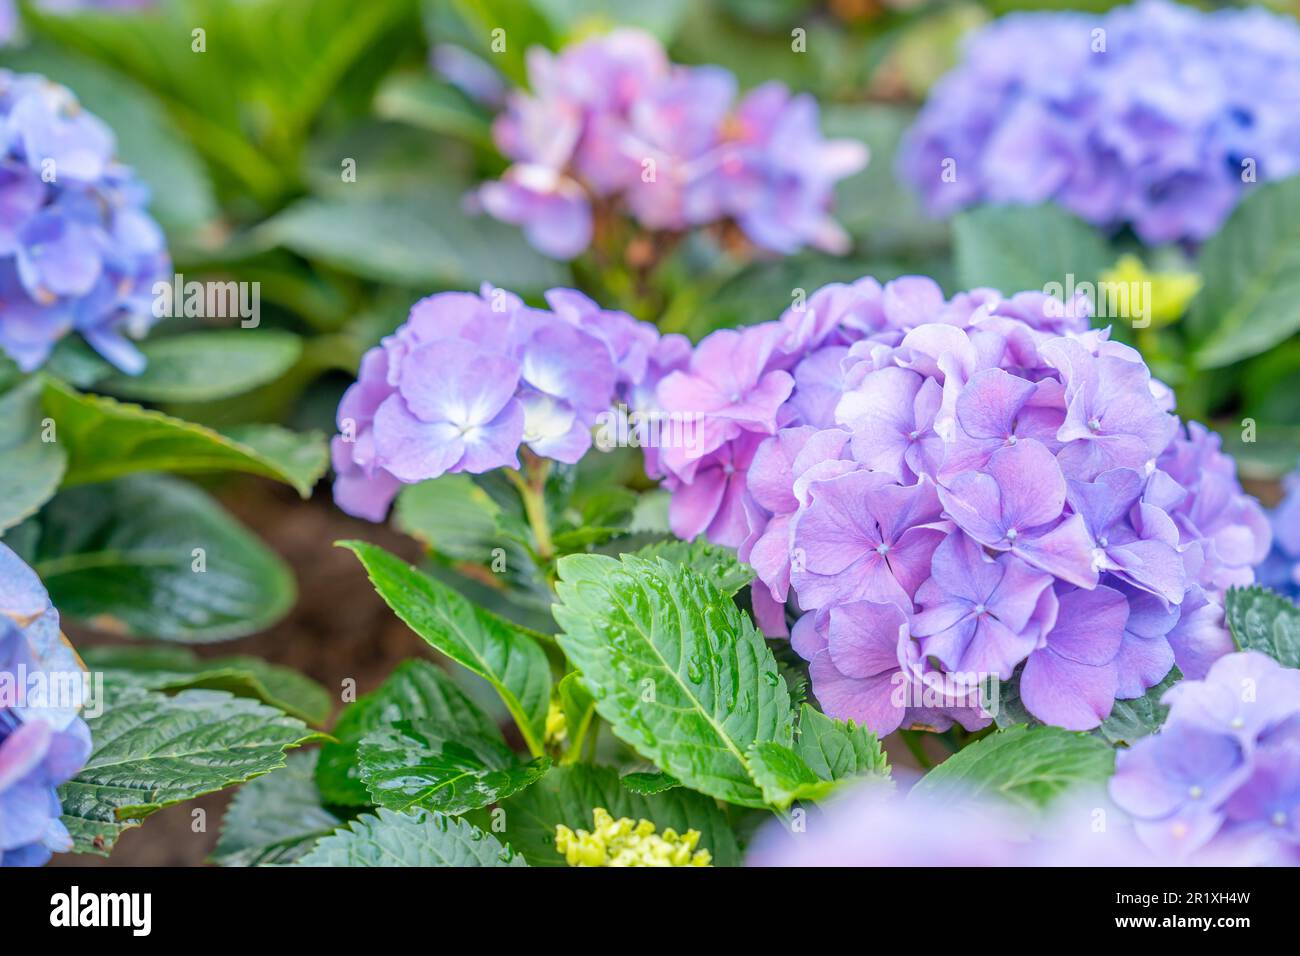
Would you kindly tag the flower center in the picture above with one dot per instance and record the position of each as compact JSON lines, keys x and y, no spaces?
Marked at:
{"x":980,"y":610}
{"x":1094,"y":424}
{"x":1012,"y":534}
{"x":1279,"y":818}
{"x":1011,"y":439}
{"x":882,"y":549}
{"x":1195,"y":792}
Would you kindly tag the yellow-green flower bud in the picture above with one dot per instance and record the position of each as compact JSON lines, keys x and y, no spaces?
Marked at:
{"x":625,"y":842}
{"x":1165,"y":295}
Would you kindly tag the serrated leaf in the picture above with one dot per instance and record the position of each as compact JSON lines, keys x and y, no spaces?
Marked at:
{"x":717,"y":564}
{"x":416,"y":690}
{"x":675,"y":667}
{"x":121,"y":556}
{"x":105,"y":439}
{"x":173,"y":669}
{"x":567,"y":795}
{"x":1251,"y":270}
{"x":1026,"y":766}
{"x":578,"y":705}
{"x":30,"y":469}
{"x":835,"y":750}
{"x":1019,"y":248}
{"x":1131,"y":720}
{"x":451,"y":515}
{"x":423,"y":764}
{"x":202,"y":366}
{"x":489,"y":646}
{"x":784,"y":776}
{"x":649,"y":783}
{"x":302,"y":457}
{"x":422,"y":838}
{"x":152,"y":750}
{"x":276,"y":818}
{"x":1262,"y":620}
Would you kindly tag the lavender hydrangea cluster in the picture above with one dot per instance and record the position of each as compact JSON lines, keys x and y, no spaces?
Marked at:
{"x":78,"y":251}
{"x":1224,"y":771}
{"x":957,"y":491}
{"x":1154,"y":115}
{"x":43,"y":742}
{"x":468,"y":379}
{"x":610,"y":125}
{"x":1281,"y":570}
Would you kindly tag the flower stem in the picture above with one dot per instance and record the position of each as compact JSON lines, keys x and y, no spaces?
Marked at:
{"x":532,"y":492}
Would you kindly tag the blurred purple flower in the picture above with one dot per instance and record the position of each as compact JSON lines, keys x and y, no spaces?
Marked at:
{"x":1150,"y":115}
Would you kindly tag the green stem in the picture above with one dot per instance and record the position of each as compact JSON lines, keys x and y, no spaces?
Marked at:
{"x":574,"y":752}
{"x":532,"y":492}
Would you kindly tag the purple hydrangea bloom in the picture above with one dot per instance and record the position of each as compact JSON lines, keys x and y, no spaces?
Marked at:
{"x":1154,"y":115}
{"x":468,"y":379}
{"x":610,"y":125}
{"x":43,"y":742}
{"x":1224,"y":772}
{"x":78,"y":252}
{"x":992,"y":469}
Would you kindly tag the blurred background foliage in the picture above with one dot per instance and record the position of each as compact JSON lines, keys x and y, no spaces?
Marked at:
{"x":247,"y":147}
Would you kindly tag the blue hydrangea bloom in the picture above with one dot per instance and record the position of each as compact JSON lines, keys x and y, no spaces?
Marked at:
{"x":1154,"y":115}
{"x":78,"y":251}
{"x":1281,"y":571}
{"x":43,"y":742}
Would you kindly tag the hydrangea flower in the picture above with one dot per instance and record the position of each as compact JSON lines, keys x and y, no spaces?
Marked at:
{"x":43,"y":742}
{"x":980,"y":487}
{"x":1154,"y":115}
{"x":611,"y":125}
{"x":78,"y":251}
{"x":1224,"y":772}
{"x":1281,"y":570}
{"x":468,"y":379}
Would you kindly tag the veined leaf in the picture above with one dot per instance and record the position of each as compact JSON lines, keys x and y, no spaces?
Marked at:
{"x":422,"y":764}
{"x":675,"y":667}
{"x":105,"y":438}
{"x":784,"y":776}
{"x":1131,"y":720}
{"x":1263,"y":621}
{"x":567,"y":795}
{"x":422,"y":838}
{"x":649,"y":783}
{"x":835,"y":750}
{"x":172,"y":669}
{"x":1027,"y":766}
{"x":275,"y":819}
{"x":152,"y":750}
{"x":491,"y":647}
{"x":416,"y":690}
{"x":717,"y":564}
{"x":1019,"y":248}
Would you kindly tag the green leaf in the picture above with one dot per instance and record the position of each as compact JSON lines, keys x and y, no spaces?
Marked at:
{"x":1252,"y":278}
{"x":784,"y":776}
{"x":500,"y":652}
{"x":718,"y":565}
{"x":424,"y":764}
{"x":106,"y":439}
{"x":121,"y":556}
{"x":276,"y":818}
{"x":173,"y":669}
{"x":1026,"y":766}
{"x":835,"y":750}
{"x":300,"y":457}
{"x":451,"y":515}
{"x":422,"y":240}
{"x":675,"y":667}
{"x":416,"y":690}
{"x":567,"y":795}
{"x":578,"y":18}
{"x":152,"y":750}
{"x":30,"y":469}
{"x":1131,"y":720}
{"x":420,"y":839}
{"x":649,"y":783}
{"x":1261,"y":620}
{"x":422,"y":100}
{"x":202,"y":366}
{"x":578,"y":705}
{"x":1019,"y":248}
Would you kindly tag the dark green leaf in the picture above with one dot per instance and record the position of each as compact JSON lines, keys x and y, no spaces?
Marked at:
{"x":649,"y":783}
{"x":422,"y":838}
{"x":1131,"y":720}
{"x":1263,"y":621}
{"x":1019,"y":248}
{"x":835,"y":750}
{"x":275,"y":819}
{"x":784,"y":776}
{"x":201,"y":366}
{"x":30,"y":469}
{"x":718,"y":565}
